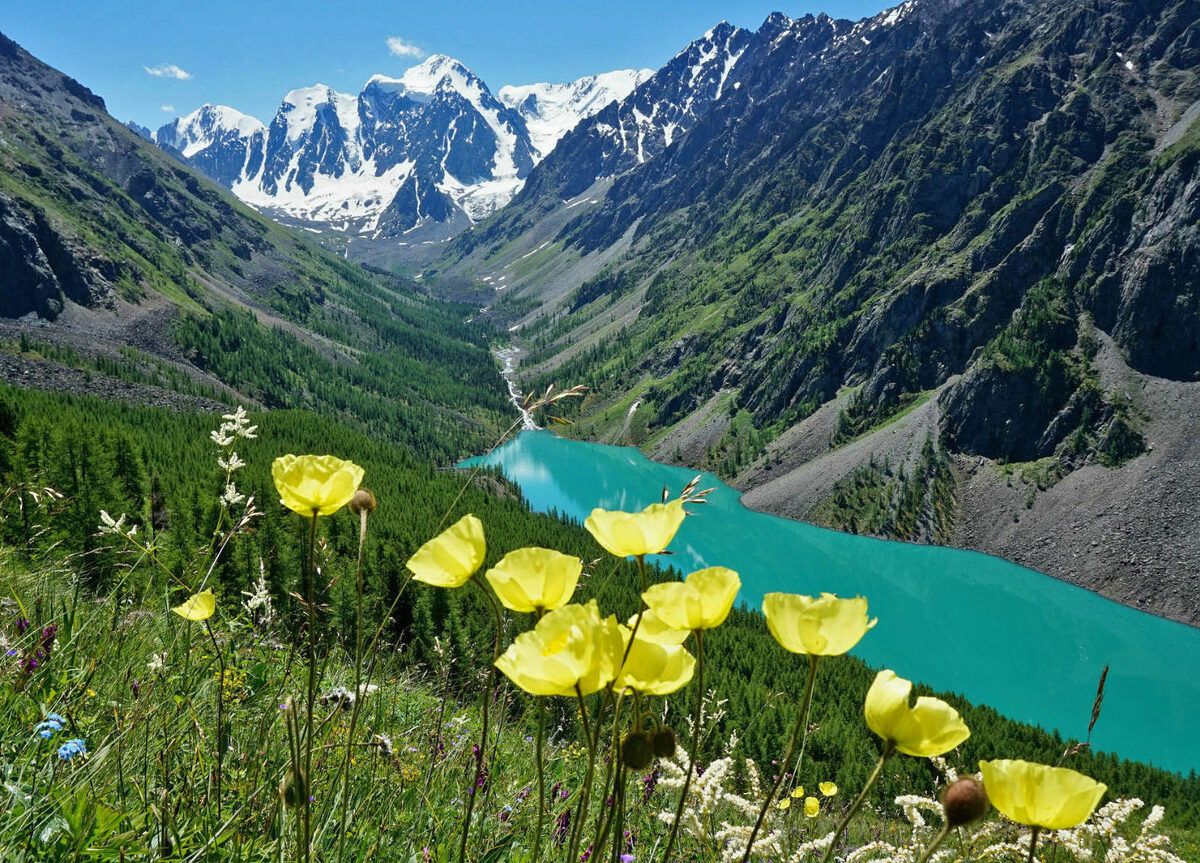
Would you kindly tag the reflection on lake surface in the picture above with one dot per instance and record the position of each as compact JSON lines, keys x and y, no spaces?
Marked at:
{"x":1025,"y":643}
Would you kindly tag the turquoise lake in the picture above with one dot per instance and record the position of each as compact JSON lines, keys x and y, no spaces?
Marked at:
{"x":1032,"y":646}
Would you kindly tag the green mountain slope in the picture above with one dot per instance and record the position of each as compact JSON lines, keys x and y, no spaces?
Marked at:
{"x":134,"y":264}
{"x":952,"y":207}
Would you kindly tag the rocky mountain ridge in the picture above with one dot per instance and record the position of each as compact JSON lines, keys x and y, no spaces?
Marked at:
{"x":954,"y":201}
{"x":433,"y":146}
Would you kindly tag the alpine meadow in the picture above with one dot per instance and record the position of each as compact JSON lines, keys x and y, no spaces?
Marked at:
{"x":779,"y":449}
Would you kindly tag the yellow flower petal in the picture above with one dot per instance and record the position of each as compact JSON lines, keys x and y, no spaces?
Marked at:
{"x":531,"y":578}
{"x":315,"y":483}
{"x":928,"y":728}
{"x":652,"y":628}
{"x":816,"y":626}
{"x":636,"y":533}
{"x":654,"y":668}
{"x":828,"y":789}
{"x":1054,"y":798}
{"x":784,"y":804}
{"x":702,"y":601}
{"x":798,"y":792}
{"x":451,"y":557}
{"x":199,"y":606}
{"x":812,"y":807}
{"x":569,"y":647}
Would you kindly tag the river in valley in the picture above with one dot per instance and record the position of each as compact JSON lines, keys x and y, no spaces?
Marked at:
{"x":1029,"y":645}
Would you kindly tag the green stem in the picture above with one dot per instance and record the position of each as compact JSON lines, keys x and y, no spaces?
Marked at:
{"x":888,"y":750}
{"x":310,"y":601}
{"x":797,"y":730}
{"x":1033,"y":838}
{"x":605,"y":815}
{"x":585,"y":792}
{"x":696,"y":722}
{"x":541,"y":778}
{"x":937,"y":840}
{"x":481,"y":757}
{"x":358,"y":688}
{"x":619,"y":833}
{"x":220,"y":714}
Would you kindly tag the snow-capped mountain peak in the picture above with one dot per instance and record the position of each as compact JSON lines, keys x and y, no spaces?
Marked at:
{"x":552,"y":110}
{"x":437,"y":71}
{"x":193,"y":132}
{"x":435,"y":144}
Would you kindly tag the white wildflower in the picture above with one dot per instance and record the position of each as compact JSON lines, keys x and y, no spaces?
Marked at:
{"x":260,"y":597}
{"x":231,"y":497}
{"x":116,"y":527}
{"x":232,"y":463}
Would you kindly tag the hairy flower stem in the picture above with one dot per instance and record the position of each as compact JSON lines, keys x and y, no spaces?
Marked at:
{"x":220,"y":713}
{"x":310,"y":604}
{"x":541,"y":777}
{"x":937,"y":841}
{"x":797,"y":730}
{"x":358,"y":687}
{"x":585,"y":792}
{"x":697,"y":720}
{"x":481,"y":756}
{"x":619,"y":833}
{"x":605,"y":815}
{"x":1033,"y":838}
{"x":888,"y":750}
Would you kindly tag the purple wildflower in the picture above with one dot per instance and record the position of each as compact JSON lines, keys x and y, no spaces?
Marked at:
{"x":561,"y":825}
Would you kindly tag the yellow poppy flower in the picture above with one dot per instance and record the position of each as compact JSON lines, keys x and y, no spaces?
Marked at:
{"x":451,"y":557}
{"x":654,"y":668}
{"x":199,"y":606}
{"x":828,"y":789}
{"x":702,"y":601}
{"x":1054,"y":798}
{"x":812,"y":807}
{"x":636,"y":533}
{"x":531,"y":578}
{"x":315,"y":483}
{"x":816,"y":626}
{"x":784,"y":804}
{"x":928,"y":728}
{"x":652,"y":628}
{"x":798,"y":792}
{"x":570,"y":647}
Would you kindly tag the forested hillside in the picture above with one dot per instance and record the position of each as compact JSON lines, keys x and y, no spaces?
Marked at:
{"x":126,"y":263}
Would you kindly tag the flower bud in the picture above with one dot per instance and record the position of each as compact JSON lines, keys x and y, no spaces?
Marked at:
{"x":636,"y":753}
{"x":663,"y":742}
{"x":363,"y":501}
{"x":964,"y":801}
{"x":293,"y":789}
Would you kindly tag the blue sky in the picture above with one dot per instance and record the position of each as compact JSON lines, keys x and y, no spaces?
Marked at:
{"x":147,"y":57}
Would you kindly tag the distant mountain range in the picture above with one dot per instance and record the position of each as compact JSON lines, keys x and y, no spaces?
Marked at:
{"x":432,"y":146}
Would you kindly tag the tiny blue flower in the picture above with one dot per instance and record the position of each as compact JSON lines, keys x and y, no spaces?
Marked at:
{"x":48,"y":727}
{"x":72,"y":748}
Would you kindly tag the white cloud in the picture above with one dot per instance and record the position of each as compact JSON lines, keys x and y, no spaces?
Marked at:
{"x":168,"y":70}
{"x":167,"y":108}
{"x":401,"y":48}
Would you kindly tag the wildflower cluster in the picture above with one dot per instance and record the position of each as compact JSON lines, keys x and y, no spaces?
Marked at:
{"x":585,"y":671}
{"x":72,"y":749}
{"x":50,"y":726}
